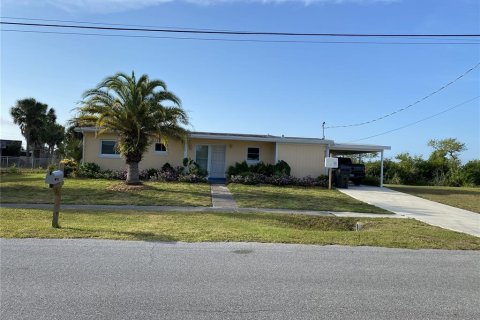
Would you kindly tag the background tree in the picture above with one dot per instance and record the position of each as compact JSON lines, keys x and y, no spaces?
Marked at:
{"x":52,"y":133}
{"x":72,"y":146}
{"x":38,"y":125}
{"x":449,"y":146}
{"x":442,"y":168}
{"x":134,"y":110}
{"x":30,"y":115}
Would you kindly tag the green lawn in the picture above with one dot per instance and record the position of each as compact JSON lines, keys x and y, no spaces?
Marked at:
{"x":460,"y":197}
{"x":30,"y":188}
{"x":298,"y":198}
{"x":245,"y":227}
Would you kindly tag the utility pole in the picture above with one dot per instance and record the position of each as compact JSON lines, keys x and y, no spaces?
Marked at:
{"x":323,"y":130}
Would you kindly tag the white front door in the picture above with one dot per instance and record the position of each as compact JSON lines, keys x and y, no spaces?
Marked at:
{"x":217,"y":161}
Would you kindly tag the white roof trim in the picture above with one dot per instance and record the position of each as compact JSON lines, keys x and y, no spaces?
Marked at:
{"x":259,"y":139}
{"x":246,"y":137}
{"x":357,"y":147}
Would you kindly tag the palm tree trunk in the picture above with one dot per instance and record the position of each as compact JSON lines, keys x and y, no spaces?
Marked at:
{"x":133,"y":176}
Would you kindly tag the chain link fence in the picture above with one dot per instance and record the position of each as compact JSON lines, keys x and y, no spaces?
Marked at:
{"x":27,"y":162}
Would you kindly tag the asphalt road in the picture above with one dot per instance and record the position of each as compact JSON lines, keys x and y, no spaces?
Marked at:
{"x":93,"y":279}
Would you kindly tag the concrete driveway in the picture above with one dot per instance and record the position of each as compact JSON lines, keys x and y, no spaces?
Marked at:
{"x":430,"y":212}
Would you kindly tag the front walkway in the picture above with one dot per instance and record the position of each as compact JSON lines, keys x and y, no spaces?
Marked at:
{"x":221,"y":197}
{"x":409,"y":206}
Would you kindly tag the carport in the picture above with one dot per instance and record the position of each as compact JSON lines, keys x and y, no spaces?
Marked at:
{"x":346,"y":149}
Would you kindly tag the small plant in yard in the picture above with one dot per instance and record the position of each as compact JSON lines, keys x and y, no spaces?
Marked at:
{"x":192,"y":178}
{"x":191,"y":167}
{"x":70,"y":167}
{"x":13,"y":169}
{"x":88,"y":170}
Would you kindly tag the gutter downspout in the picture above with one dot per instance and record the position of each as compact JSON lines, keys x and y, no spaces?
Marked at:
{"x":327,"y":154}
{"x":185,"y":148}
{"x":83,"y":147}
{"x":381,"y":170}
{"x":276,"y":152}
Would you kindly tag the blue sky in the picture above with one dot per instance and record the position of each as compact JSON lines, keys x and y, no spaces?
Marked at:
{"x":265,"y":88}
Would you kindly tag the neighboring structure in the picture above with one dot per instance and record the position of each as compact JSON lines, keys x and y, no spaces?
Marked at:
{"x":215,"y":152}
{"x":11,"y":148}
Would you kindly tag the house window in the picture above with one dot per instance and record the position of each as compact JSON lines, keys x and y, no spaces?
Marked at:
{"x":253,"y":154}
{"x":109,"y":147}
{"x":160,"y":148}
{"x":201,"y":156}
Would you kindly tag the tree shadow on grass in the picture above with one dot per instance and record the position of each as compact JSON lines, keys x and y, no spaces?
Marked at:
{"x":129,"y":235}
{"x":302,"y":222}
{"x":19,"y":179}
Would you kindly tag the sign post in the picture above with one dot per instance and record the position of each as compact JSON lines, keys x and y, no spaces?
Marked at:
{"x":330,"y":163}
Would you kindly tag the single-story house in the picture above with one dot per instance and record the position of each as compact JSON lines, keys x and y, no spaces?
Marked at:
{"x":215,"y":152}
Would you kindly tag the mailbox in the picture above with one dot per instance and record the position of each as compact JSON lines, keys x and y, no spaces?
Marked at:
{"x":54,"y":177}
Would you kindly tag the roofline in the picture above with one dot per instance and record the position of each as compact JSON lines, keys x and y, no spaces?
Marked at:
{"x":358,"y":147}
{"x":259,"y":138}
{"x":238,"y":137}
{"x":227,"y":136}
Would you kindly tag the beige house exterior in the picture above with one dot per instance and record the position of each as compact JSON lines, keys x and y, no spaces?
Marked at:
{"x":215,"y":152}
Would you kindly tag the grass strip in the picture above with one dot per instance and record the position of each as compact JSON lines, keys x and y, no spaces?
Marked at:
{"x":242,"y":227}
{"x":31,"y":188}
{"x":298,"y":198}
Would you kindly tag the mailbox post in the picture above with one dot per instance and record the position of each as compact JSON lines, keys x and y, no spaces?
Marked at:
{"x":55,"y":181}
{"x":330,"y":163}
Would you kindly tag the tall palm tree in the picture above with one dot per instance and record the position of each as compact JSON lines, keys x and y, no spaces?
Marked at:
{"x":135,"y":110}
{"x":30,"y":115}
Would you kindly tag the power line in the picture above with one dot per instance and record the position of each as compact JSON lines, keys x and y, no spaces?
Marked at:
{"x":110,"y":24}
{"x":264,"y":33}
{"x":184,"y":28}
{"x":237,"y":40}
{"x":410,"y":105}
{"x":421,"y":120}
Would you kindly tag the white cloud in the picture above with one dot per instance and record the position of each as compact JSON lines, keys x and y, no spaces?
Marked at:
{"x":122,"y":5}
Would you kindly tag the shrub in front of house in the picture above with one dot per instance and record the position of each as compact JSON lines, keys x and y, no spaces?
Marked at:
{"x":70,"y":167}
{"x":165,"y":176}
{"x":167,"y":173}
{"x":88,"y":170}
{"x":371,"y":181}
{"x":242,"y":168}
{"x":191,"y":178}
{"x":279,"y":180}
{"x":278,"y":175}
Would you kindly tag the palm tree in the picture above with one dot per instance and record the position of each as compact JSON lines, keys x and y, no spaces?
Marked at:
{"x":134,"y":110}
{"x":30,"y":115}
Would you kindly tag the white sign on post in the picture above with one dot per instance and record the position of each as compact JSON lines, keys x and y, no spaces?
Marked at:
{"x":331,"y":162}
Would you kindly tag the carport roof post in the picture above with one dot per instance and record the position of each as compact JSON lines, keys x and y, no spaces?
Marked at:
{"x":346,"y":148}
